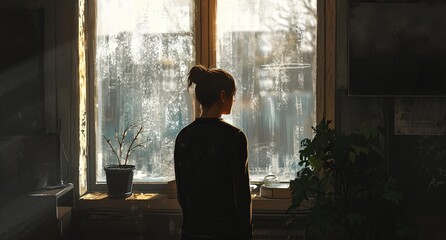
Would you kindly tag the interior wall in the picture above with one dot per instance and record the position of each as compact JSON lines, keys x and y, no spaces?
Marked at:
{"x":417,"y":158}
{"x":19,"y":152}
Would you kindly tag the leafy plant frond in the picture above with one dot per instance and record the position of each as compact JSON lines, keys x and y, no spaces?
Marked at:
{"x":347,"y":181}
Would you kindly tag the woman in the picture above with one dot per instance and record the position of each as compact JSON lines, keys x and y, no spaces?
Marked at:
{"x":211,"y":167}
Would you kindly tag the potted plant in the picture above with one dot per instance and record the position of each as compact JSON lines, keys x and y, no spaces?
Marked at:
{"x":119,"y":176}
{"x":348,"y":183}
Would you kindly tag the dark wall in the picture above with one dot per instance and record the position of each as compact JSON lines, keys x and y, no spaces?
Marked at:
{"x":36,"y":81}
{"x":414,"y":140}
{"x":28,"y":163}
{"x":22,"y":99}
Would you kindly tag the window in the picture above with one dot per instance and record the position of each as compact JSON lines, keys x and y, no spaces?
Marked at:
{"x":270,"y":47}
{"x":144,"y":50}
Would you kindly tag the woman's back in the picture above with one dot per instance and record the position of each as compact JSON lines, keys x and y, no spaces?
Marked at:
{"x":206,"y":153}
{"x":211,"y":164}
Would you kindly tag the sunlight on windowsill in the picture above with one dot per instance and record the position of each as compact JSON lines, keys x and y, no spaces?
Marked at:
{"x":134,"y":196}
{"x":157,"y":202}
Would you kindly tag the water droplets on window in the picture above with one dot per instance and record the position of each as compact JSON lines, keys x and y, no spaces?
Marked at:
{"x":146,"y":48}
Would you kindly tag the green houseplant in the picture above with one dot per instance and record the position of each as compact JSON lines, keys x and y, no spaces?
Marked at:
{"x":119,"y":176}
{"x":348,"y":183}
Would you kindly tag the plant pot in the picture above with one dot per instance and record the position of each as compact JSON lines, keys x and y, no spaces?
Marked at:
{"x":119,"y":180}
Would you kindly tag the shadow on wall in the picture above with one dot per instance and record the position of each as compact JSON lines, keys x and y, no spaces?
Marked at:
{"x":28,"y":163}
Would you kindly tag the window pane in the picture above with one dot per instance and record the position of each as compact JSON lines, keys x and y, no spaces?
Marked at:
{"x":270,"y":47}
{"x":144,"y":50}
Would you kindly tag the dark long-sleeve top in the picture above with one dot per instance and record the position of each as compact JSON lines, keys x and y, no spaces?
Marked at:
{"x":211,"y":170}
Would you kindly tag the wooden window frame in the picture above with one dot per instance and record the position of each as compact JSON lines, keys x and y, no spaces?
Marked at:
{"x":206,"y":39}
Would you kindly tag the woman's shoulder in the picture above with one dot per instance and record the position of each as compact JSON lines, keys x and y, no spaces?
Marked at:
{"x":235,"y":133}
{"x":184,"y":131}
{"x":230,"y":127}
{"x":218,"y":125}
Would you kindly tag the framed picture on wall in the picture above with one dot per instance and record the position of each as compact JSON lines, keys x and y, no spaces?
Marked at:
{"x":397,"y":48}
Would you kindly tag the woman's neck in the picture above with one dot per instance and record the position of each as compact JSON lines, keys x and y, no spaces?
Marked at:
{"x":212,"y":112}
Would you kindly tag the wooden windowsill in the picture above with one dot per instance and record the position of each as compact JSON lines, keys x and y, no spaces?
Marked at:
{"x":164,"y":203}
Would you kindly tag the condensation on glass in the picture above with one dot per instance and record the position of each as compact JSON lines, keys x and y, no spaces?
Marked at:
{"x":270,"y":47}
{"x":146,"y":48}
{"x":144,"y":52}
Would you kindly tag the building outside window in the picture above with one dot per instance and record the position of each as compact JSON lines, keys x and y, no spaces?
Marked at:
{"x":144,"y":50}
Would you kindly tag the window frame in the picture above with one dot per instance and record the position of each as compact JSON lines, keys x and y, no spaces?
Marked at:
{"x":205,"y":29}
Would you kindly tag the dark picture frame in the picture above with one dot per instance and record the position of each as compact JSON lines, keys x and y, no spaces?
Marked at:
{"x":396,"y":48}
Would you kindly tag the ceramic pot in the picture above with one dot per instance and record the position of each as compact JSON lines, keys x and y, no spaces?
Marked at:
{"x":119,"y":180}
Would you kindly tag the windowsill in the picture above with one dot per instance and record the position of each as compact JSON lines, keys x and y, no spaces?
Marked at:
{"x":165,"y":203}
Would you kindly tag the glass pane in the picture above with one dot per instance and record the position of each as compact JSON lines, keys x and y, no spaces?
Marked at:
{"x":144,"y":50}
{"x":270,"y":47}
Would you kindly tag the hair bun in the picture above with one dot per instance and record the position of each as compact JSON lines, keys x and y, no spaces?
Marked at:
{"x":198,"y":74}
